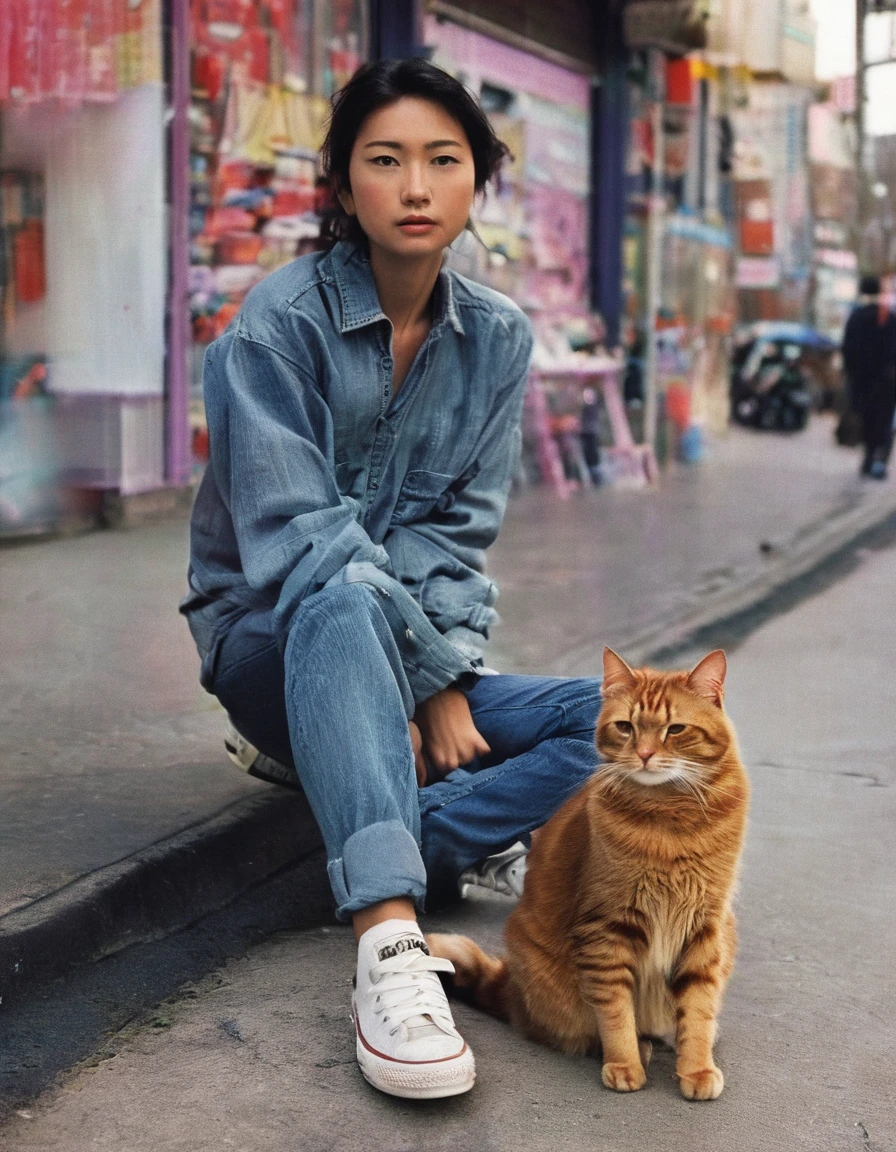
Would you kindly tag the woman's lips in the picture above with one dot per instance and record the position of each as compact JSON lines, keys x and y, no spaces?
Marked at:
{"x":417,"y":225}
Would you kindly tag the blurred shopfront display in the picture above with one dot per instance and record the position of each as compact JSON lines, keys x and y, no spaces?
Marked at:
{"x":533,"y":228}
{"x":694,"y":299}
{"x":834,"y":190}
{"x":719,"y":99}
{"x":159,"y":157}
{"x":533,"y":235}
{"x":262,"y":75}
{"x":84,"y":239}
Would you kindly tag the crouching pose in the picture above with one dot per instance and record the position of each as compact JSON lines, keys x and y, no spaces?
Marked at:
{"x":363,"y":411}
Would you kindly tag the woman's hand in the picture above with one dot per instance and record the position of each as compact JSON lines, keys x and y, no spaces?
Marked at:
{"x":417,"y":746}
{"x":449,"y":735}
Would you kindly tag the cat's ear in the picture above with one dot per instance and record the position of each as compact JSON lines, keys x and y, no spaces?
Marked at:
{"x":708,"y":678}
{"x":617,"y":673}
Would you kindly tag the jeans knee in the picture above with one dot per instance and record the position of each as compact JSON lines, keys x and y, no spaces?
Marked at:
{"x":343,"y":635}
{"x":581,"y":703}
{"x":341,"y":608}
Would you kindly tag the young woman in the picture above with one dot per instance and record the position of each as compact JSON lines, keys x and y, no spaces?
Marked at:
{"x":363,"y":412}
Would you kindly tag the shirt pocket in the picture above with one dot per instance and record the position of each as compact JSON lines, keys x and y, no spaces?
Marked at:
{"x":419,"y":494}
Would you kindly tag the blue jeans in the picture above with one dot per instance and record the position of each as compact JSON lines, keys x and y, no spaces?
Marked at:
{"x":336,"y":705}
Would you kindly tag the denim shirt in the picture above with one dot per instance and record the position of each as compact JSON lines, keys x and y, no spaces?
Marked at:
{"x":318,"y":475}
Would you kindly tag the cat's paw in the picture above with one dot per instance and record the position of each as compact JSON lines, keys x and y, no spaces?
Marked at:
{"x":706,"y":1084}
{"x":624,"y":1077}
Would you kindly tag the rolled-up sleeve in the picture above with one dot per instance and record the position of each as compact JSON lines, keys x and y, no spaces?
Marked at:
{"x":271,"y":439}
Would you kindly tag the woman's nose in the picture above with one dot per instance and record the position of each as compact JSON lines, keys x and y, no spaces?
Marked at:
{"x":416,"y":187}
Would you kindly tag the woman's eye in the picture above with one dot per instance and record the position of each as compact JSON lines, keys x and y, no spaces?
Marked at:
{"x":444,"y":161}
{"x":675,"y":729}
{"x":384,"y":161}
{"x":624,"y":727}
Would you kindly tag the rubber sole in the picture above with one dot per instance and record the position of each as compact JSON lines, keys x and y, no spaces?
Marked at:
{"x":423,"y":1081}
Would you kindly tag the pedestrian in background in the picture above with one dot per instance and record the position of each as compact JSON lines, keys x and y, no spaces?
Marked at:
{"x":364,"y":420}
{"x":869,"y":358}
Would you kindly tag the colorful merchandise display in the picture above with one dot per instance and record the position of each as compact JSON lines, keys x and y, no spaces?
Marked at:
{"x":696,"y":255}
{"x":78,"y":50}
{"x":262,"y":75}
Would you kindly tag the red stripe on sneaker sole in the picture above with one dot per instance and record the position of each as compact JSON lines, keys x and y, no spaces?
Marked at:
{"x":395,"y":1060}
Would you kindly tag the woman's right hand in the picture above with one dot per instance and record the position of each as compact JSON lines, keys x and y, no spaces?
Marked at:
{"x":450,"y":738}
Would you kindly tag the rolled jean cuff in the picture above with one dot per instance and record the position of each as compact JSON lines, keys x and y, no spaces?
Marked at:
{"x":379,"y":862}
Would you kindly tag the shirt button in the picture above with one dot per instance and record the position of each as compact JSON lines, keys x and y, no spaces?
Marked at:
{"x":409,"y":634}
{"x":387,"y":362}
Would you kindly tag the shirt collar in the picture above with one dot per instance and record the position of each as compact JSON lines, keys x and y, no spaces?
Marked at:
{"x":359,"y":300}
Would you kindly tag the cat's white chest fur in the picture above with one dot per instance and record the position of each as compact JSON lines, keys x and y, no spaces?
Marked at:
{"x":670,"y":902}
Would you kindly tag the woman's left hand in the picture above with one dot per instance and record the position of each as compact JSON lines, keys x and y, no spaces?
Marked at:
{"x":417,"y":749}
{"x":450,"y":738}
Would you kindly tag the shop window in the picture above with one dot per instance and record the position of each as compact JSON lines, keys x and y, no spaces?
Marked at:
{"x":262,"y":75}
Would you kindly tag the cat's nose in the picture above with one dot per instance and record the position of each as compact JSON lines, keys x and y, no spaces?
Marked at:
{"x":644,"y":754}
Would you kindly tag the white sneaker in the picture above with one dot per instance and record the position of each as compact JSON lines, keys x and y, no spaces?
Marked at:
{"x":503,"y":874}
{"x":407,"y":1044}
{"x":246,"y":756}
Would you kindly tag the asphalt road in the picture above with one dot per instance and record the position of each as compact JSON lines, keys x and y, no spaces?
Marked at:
{"x":259,"y":1054}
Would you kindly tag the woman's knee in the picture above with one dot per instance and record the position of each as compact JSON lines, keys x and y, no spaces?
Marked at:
{"x":581,"y":700}
{"x":341,"y":640}
{"x":341,"y":609}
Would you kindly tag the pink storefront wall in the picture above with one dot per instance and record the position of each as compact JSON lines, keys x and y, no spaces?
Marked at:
{"x":500,"y":64}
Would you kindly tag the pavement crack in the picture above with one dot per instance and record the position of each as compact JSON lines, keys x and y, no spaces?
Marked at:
{"x":866,"y":1139}
{"x":870,"y":779}
{"x":873,"y":781}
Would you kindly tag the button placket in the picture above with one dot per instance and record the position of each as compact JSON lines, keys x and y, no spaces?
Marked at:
{"x":414,"y":378}
{"x":382,"y":436}
{"x":387,"y":365}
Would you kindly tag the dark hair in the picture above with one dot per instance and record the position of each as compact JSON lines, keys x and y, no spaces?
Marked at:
{"x":869,"y":286}
{"x":376,"y":85}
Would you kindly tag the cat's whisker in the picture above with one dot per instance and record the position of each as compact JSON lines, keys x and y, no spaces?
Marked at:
{"x":693,"y":789}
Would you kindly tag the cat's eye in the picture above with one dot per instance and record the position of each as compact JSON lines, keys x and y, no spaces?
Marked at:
{"x":675,"y":729}
{"x":624,"y":727}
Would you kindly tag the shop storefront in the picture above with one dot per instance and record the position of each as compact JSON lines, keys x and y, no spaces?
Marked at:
{"x":533,"y":228}
{"x":533,"y":242}
{"x":261,"y":81}
{"x":835,"y":193}
{"x":84,"y":242}
{"x":684,"y":142}
{"x":262,"y":75}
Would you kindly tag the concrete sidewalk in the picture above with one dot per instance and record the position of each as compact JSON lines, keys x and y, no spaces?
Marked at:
{"x":123,"y":820}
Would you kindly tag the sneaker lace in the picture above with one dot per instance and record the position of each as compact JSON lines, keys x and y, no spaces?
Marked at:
{"x":409,"y":993}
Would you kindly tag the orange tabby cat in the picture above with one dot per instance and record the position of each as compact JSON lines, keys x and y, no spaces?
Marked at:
{"x":625,"y":929}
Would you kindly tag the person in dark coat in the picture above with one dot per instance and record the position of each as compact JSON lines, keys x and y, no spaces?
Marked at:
{"x":869,"y":357}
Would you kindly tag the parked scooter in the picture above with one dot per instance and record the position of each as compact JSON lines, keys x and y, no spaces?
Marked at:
{"x":770,"y":389}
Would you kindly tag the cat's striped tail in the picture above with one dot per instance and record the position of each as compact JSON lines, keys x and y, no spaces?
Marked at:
{"x":477,"y":976}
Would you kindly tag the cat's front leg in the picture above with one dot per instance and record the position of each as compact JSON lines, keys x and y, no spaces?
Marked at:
{"x":697,"y":986}
{"x":610,"y":994}
{"x":606,"y":961}
{"x":622,"y":1069}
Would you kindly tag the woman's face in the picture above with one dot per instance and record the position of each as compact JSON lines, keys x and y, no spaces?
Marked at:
{"x":412,"y":179}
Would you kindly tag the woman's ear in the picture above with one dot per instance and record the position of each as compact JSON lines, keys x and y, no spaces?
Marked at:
{"x":345,"y":198}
